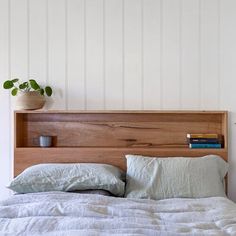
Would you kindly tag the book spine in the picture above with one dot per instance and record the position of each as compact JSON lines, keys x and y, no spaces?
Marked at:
{"x":205,"y":145}
{"x":204,"y":140}
{"x":203,"y":136}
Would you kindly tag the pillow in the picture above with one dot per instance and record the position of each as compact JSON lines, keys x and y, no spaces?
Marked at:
{"x":161,"y":178}
{"x":69,"y":177}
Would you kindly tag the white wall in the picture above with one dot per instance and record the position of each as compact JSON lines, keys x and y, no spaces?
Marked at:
{"x":120,"y":54}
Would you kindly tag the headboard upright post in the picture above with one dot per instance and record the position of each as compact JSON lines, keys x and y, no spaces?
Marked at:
{"x":106,"y":136}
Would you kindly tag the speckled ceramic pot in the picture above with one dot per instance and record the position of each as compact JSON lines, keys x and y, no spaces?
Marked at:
{"x":32,"y":100}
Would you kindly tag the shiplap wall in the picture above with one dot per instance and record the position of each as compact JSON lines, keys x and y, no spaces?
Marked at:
{"x":120,"y":54}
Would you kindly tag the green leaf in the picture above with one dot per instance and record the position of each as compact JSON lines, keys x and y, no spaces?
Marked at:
{"x":41,"y":91}
{"x":8,"y":84}
{"x":14,"y":91}
{"x":48,"y":91}
{"x":24,"y":85}
{"x":34,"y":85}
{"x":15,"y":80}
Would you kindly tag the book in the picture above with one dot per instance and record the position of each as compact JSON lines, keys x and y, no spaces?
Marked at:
{"x":204,"y":145}
{"x":203,"y":136}
{"x":204,"y":140}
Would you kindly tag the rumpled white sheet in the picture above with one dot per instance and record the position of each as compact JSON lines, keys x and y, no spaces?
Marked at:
{"x":58,"y":213}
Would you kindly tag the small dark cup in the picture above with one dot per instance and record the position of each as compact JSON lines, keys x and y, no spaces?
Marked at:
{"x":45,"y":141}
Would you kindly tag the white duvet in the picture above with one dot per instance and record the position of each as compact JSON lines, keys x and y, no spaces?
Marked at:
{"x":58,"y":213}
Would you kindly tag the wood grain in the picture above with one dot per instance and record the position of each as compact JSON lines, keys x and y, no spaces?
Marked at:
{"x":25,"y":157}
{"x":105,"y":137}
{"x":116,"y":134}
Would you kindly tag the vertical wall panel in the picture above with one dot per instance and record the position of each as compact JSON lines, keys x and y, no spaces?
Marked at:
{"x":209,"y":54}
{"x":18,"y":53}
{"x":116,"y":54}
{"x":19,"y":39}
{"x":113,"y":54}
{"x":5,"y":160}
{"x":133,"y":54}
{"x":94,"y":54}
{"x":151,"y":54}
{"x":171,"y":83}
{"x":190,"y":76}
{"x":38,"y":40}
{"x":75,"y":63}
{"x":228,"y":82}
{"x":57,"y":52}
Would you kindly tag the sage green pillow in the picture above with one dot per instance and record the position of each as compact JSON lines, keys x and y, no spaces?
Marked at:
{"x":69,"y":177}
{"x":178,"y":177}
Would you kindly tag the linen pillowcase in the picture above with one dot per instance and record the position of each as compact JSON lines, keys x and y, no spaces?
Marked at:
{"x":161,"y":178}
{"x":69,"y":177}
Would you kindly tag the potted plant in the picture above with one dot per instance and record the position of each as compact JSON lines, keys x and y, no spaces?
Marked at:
{"x":31,"y":94}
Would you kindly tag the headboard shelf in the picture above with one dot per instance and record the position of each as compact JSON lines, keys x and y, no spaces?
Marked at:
{"x":106,"y":136}
{"x":24,"y":159}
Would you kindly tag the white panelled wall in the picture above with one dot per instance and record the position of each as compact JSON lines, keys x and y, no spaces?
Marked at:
{"x":120,"y":54}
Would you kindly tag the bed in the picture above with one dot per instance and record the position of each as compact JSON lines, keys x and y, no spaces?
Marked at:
{"x":105,"y":138}
{"x":58,"y":213}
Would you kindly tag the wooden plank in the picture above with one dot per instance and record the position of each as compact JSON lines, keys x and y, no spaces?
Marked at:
{"x":113,"y":54}
{"x":76,"y":54}
{"x":118,"y":133}
{"x":151,"y":54}
{"x":94,"y":55}
{"x":132,"y":54}
{"x":225,"y":130}
{"x":20,"y":130}
{"x":124,"y":117}
{"x":122,"y":111}
{"x":171,"y":82}
{"x":190,"y":74}
{"x":25,"y":157}
{"x":57,"y":52}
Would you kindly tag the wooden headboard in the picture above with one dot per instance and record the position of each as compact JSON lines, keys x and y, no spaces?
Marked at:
{"x":106,"y":136}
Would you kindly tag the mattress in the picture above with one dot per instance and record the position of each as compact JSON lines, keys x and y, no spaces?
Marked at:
{"x":59,"y":213}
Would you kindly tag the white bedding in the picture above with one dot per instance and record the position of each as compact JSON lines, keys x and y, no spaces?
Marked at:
{"x":58,"y":213}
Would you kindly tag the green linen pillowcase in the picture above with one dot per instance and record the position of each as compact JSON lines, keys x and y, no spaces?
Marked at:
{"x":69,"y":177}
{"x":178,"y":177}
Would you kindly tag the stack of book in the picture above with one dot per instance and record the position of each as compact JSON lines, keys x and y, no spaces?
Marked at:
{"x":204,"y":140}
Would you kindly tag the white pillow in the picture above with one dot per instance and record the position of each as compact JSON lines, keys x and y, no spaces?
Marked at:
{"x":69,"y":177}
{"x":161,"y":178}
